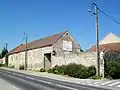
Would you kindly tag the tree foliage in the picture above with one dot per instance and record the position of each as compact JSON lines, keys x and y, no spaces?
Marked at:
{"x":112,"y":64}
{"x":3,"y":52}
{"x":112,"y":55}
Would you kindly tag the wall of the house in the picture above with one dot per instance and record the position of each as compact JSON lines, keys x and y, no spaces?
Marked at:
{"x":35,"y":58}
{"x":2,"y":61}
{"x":58,"y":46}
{"x":16,"y":59}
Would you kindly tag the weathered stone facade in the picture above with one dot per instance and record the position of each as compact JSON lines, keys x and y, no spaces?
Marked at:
{"x":35,"y":58}
{"x":87,"y":59}
{"x":49,"y":56}
{"x":58,"y":46}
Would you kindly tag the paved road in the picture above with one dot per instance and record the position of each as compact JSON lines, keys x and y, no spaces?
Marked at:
{"x":6,"y":86}
{"x":115,"y":84}
{"x":30,"y":82}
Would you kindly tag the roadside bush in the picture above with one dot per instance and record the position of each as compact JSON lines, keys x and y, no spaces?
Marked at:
{"x":0,"y":65}
{"x":112,"y":64}
{"x":74,"y":70}
{"x":61,"y":69}
{"x":42,"y":70}
{"x":21,"y":67}
{"x":91,"y":71}
{"x":82,"y":72}
{"x":50,"y":70}
{"x":96,"y":77}
{"x":4,"y":65}
{"x":56,"y":72}
{"x":112,"y":69}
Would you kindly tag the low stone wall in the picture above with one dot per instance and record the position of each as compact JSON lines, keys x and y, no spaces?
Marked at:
{"x":87,"y":59}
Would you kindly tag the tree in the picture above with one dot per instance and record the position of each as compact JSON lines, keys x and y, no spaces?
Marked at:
{"x":4,"y":52}
{"x":112,"y":55}
{"x":112,"y":64}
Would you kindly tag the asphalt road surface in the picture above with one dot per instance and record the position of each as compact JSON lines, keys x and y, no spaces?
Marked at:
{"x":30,"y":82}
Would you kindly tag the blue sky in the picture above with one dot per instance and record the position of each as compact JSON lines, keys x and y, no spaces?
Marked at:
{"x":40,"y":18}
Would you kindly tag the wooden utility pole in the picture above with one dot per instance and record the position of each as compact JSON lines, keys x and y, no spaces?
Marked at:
{"x":26,"y":39}
{"x":97,"y":41}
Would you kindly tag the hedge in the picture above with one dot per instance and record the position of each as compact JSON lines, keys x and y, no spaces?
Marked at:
{"x":112,"y":69}
{"x":112,"y":64}
{"x":74,"y":70}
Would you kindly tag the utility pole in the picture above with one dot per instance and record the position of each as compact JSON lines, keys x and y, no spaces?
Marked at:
{"x":97,"y":37}
{"x":97,"y":40}
{"x":26,"y":39}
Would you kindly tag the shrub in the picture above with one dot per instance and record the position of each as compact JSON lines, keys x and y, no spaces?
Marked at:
{"x":74,"y":70}
{"x":91,"y":71}
{"x":82,"y":72}
{"x":50,"y":70}
{"x":42,"y":70}
{"x":96,"y":77}
{"x":3,"y":65}
{"x":56,"y":72}
{"x":112,"y":69}
{"x":78,"y":71}
{"x":62,"y":69}
{"x":0,"y":65}
{"x":109,"y":77}
{"x":21,"y":67}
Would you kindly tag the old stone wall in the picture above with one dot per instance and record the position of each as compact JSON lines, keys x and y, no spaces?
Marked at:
{"x":35,"y":58}
{"x":16,"y":59}
{"x":2,"y":61}
{"x":58,"y":46}
{"x":86,"y":59}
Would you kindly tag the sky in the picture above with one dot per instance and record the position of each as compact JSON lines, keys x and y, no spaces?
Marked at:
{"x":41,"y":18}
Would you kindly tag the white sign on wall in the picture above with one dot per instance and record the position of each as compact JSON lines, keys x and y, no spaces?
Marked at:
{"x":67,"y":45}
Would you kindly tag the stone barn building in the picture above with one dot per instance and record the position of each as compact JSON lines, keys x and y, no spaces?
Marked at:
{"x":41,"y":53}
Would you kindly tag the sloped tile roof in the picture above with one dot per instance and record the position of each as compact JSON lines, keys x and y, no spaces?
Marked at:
{"x":110,"y":38}
{"x":107,"y":47}
{"x":47,"y":41}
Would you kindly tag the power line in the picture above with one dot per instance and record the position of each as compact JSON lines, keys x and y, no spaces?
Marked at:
{"x":110,"y":17}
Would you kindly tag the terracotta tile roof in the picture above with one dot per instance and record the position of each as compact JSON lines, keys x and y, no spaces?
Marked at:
{"x":47,"y":41}
{"x":107,"y":47}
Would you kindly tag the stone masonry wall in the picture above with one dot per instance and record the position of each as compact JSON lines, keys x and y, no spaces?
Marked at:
{"x":86,"y":59}
{"x":58,"y":46}
{"x":35,"y":58}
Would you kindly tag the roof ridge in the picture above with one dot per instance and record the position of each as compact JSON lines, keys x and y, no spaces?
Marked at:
{"x":46,"y":41}
{"x":48,"y":36}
